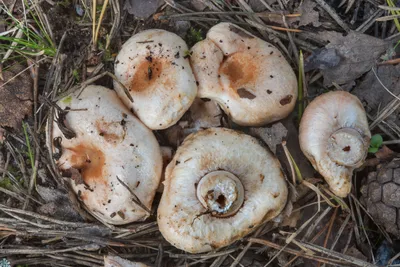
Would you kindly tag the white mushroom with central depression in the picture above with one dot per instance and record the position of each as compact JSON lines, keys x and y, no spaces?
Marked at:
{"x":335,"y":136}
{"x":219,"y":186}
{"x":153,"y":67}
{"x":113,"y":161}
{"x":248,"y":77}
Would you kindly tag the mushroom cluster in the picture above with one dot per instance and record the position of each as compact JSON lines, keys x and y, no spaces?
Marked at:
{"x":221,"y":183}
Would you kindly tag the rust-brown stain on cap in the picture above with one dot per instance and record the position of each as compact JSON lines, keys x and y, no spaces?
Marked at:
{"x":241,"y":69}
{"x":150,"y":73}
{"x":90,"y":161}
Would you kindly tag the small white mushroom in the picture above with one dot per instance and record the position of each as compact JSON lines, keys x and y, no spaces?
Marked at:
{"x":218,"y":187}
{"x":152,"y":65}
{"x":115,"y":261}
{"x":109,"y":150}
{"x":248,"y":77}
{"x":334,"y":136}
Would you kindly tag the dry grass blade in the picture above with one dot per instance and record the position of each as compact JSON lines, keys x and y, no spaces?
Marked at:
{"x":357,"y":202}
{"x":103,"y":10}
{"x":94,"y":5}
{"x":387,"y":18}
{"x":328,"y":234}
{"x":389,"y":8}
{"x":389,"y":109}
{"x":297,"y":252}
{"x":337,"y":255}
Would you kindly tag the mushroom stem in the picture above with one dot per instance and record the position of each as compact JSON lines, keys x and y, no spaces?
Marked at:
{"x":221,"y":193}
{"x":346,"y":147}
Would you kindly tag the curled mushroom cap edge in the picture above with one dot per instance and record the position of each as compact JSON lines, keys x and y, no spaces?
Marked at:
{"x":334,"y":135}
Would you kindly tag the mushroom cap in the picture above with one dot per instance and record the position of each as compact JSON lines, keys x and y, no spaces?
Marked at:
{"x":337,"y":116}
{"x":110,"y":144}
{"x":249,"y":78}
{"x":153,"y":67}
{"x":115,"y":261}
{"x":182,"y":218}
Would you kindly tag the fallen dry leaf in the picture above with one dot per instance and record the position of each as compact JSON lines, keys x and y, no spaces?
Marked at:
{"x":15,"y":96}
{"x":292,"y":219}
{"x":358,"y":53}
{"x":308,"y":14}
{"x":205,"y":114}
{"x":142,"y":9}
{"x":272,"y":136}
{"x":322,"y":59}
{"x":57,"y":204}
{"x":385,"y":153}
{"x":354,"y":252}
{"x":372,"y":93}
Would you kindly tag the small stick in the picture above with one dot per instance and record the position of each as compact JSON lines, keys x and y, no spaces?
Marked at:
{"x":390,"y":62}
{"x":135,"y":197}
{"x":333,"y":14}
{"x":329,"y":230}
{"x":295,"y":252}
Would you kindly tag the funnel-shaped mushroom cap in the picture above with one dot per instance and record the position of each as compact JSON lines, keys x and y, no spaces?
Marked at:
{"x":111,"y":149}
{"x":218,"y":187}
{"x":334,"y":136}
{"x":115,"y":261}
{"x":153,"y":67}
{"x":248,"y":77}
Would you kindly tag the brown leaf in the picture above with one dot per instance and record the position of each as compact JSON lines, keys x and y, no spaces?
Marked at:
{"x":15,"y":96}
{"x":354,"y":252}
{"x":373,"y":94}
{"x":205,"y":114}
{"x":308,"y":14}
{"x":358,"y":52}
{"x":74,"y":174}
{"x":272,"y":136}
{"x":384,"y":153}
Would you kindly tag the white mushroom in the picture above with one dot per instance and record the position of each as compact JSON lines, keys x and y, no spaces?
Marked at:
{"x":334,"y":136}
{"x":115,"y":261}
{"x":152,"y":65}
{"x":248,"y":77}
{"x":104,"y":149}
{"x":218,"y":187}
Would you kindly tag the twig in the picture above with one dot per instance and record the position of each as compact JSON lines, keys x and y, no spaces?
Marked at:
{"x":337,"y":255}
{"x":296,"y":252}
{"x":333,"y":14}
{"x":135,"y":197}
{"x":369,"y":22}
{"x":390,"y":62}
{"x":328,"y":234}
